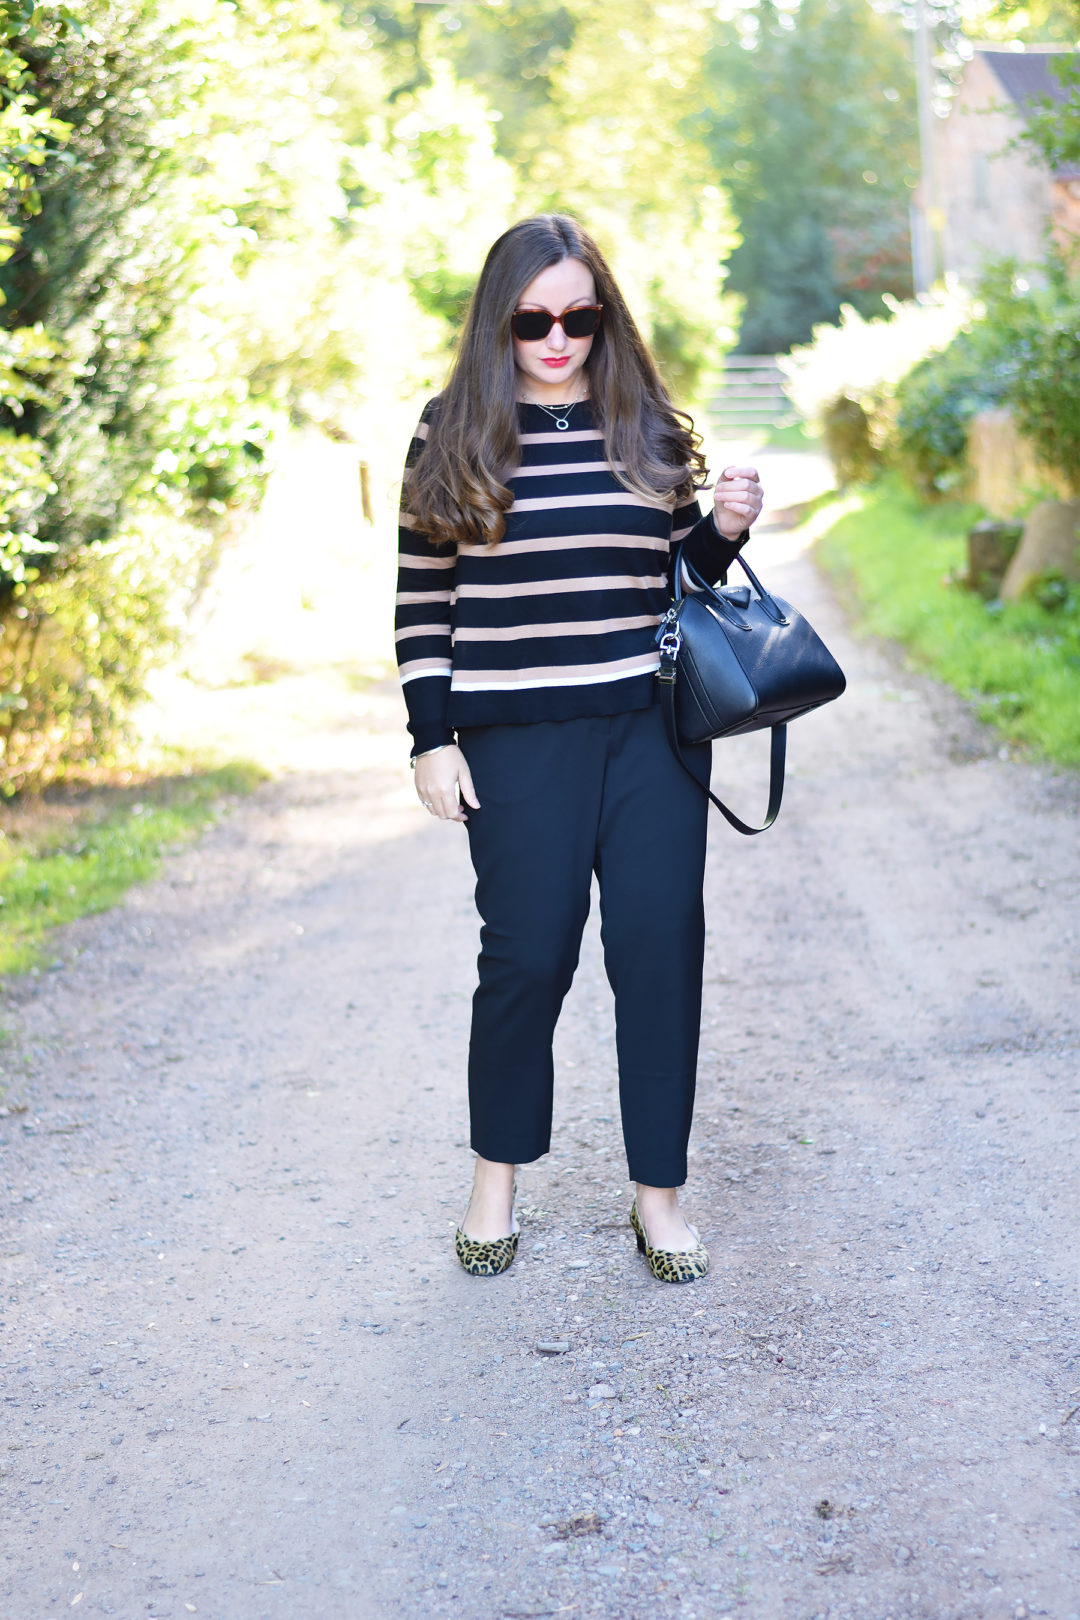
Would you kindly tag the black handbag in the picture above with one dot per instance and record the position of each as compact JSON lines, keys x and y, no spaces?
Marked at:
{"x":732,"y":661}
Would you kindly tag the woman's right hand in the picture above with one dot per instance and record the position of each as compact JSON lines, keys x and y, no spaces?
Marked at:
{"x":440,"y":778}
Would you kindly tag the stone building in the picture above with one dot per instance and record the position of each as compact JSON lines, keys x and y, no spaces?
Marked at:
{"x":998,"y":199}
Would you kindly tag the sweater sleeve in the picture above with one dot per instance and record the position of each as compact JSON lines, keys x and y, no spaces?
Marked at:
{"x":706,"y":549}
{"x":423,"y":619}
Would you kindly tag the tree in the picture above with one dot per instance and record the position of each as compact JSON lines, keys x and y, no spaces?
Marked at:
{"x":1053,"y":124}
{"x":589,"y":107}
{"x":621,"y":149}
{"x":139,"y":169}
{"x":811,"y":126}
{"x":103,"y":261}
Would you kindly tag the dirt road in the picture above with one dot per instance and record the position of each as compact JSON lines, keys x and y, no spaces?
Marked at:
{"x":245,"y":1379}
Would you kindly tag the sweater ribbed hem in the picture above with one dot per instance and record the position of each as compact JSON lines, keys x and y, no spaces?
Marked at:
{"x":425,"y":738}
{"x":552,"y":703}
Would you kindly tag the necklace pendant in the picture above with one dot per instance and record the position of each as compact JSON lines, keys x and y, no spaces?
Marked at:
{"x":560,"y":415}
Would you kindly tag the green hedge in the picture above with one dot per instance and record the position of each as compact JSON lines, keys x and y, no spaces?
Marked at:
{"x":936,"y":402}
{"x":1022,"y":350}
{"x":119,"y":467}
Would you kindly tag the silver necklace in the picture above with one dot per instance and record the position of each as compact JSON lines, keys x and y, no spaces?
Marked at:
{"x":560,"y":414}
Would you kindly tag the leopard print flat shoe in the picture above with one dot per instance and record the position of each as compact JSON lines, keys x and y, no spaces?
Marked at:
{"x":671,"y":1265}
{"x":488,"y":1258}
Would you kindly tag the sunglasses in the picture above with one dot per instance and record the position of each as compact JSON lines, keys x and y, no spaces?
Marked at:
{"x":532,"y":325}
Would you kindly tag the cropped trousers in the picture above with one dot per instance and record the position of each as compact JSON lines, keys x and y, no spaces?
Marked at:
{"x":559,"y":801}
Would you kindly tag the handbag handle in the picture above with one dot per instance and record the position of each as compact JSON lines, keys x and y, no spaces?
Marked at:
{"x":717,"y":598}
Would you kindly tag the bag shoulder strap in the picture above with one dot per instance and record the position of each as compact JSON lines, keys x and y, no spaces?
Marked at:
{"x":777,"y":758}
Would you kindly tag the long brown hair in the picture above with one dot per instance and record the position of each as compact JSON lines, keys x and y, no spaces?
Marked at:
{"x":456,"y":488}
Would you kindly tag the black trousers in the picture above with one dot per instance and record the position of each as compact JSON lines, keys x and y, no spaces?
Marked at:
{"x":560,"y":801}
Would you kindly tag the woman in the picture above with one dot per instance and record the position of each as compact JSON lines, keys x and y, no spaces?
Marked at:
{"x":545,"y":489}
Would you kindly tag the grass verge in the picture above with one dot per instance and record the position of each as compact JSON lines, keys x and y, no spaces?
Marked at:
{"x":1018,"y":662}
{"x":64,"y":857}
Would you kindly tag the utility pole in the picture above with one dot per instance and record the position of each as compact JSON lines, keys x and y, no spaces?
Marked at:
{"x":927,"y":220}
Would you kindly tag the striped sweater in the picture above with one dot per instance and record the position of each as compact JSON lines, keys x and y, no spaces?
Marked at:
{"x":558,"y":621}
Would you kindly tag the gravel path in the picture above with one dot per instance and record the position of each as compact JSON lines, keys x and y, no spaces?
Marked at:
{"x":244,"y":1378}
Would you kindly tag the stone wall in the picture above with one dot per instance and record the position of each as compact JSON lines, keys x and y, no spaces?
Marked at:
{"x":1004,"y":470}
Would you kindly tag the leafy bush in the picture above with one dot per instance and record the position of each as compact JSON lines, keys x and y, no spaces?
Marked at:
{"x":104,"y":256}
{"x":118,"y":466}
{"x":1018,"y":345}
{"x":861,"y":362}
{"x":936,"y":402}
{"x":1044,"y":384}
{"x":77,"y":643}
{"x":1053,"y":122}
{"x":846,"y":429}
{"x":1021,"y":350}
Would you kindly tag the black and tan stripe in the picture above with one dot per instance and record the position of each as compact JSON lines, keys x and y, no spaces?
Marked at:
{"x":558,"y":621}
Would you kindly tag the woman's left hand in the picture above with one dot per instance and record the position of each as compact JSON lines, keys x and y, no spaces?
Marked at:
{"x":737,"y":500}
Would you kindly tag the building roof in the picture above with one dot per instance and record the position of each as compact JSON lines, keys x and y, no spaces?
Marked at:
{"x":1026,"y":76}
